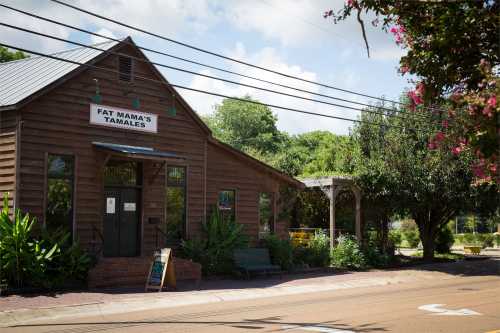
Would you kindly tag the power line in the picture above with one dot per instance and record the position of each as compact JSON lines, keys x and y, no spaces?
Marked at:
{"x":200,"y":90}
{"x":198,"y":63}
{"x":223,"y":56}
{"x":198,"y":74}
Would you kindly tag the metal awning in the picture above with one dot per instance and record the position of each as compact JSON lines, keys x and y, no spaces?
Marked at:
{"x":137,"y":152}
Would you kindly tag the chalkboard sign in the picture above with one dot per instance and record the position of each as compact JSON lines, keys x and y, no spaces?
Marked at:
{"x":161,"y":271}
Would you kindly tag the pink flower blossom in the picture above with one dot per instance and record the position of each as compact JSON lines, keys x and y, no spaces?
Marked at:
{"x":416,"y":99}
{"x":350,"y":3}
{"x":420,"y":88}
{"x":432,"y":145}
{"x":492,"y":101}
{"x":478,"y":170}
{"x":487,"y":111}
{"x":457,"y":150}
{"x":445,"y":123}
{"x":439,"y":136}
{"x":394,"y":30}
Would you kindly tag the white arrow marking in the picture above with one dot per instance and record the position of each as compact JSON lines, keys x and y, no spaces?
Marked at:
{"x":440,"y":311}
{"x":314,"y":328}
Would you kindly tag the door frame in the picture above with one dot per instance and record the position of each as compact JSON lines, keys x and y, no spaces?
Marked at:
{"x":140,"y":199}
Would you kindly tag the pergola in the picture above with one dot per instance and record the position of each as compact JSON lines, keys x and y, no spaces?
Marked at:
{"x":332,"y":186}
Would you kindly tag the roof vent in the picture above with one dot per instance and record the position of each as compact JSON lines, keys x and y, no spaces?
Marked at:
{"x":125,"y":68}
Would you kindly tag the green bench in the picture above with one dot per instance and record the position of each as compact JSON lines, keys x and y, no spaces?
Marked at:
{"x":255,"y":261}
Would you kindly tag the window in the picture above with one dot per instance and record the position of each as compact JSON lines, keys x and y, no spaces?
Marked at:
{"x":227,"y":204}
{"x":176,"y":204}
{"x":125,"y":68}
{"x":122,"y":173}
{"x":60,"y":179}
{"x":266,"y":214}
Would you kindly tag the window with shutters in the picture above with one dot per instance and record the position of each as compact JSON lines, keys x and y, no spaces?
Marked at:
{"x":125,"y":68}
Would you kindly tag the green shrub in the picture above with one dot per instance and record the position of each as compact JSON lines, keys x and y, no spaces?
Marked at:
{"x":70,"y":264}
{"x":280,"y":251}
{"x":412,"y":238}
{"x":23,"y":259}
{"x":375,"y":255}
{"x":395,"y":237}
{"x":215,"y":251}
{"x":347,"y":254}
{"x":319,"y":248}
{"x":485,"y":240}
{"x":444,"y":240}
{"x":459,"y":238}
{"x":469,"y":239}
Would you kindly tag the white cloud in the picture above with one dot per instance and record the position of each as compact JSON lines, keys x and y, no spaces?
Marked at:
{"x":104,"y":32}
{"x":289,"y":121}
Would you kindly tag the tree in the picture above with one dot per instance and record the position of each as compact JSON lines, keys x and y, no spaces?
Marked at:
{"x":451,"y":48}
{"x":397,"y":170}
{"x":246,"y":126}
{"x":6,"y":55}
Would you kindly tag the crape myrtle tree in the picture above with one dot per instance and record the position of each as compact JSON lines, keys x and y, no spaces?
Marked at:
{"x":398,"y":171}
{"x":453,"y":52}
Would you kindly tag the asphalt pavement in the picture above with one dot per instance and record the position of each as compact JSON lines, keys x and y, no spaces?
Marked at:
{"x":460,"y":297}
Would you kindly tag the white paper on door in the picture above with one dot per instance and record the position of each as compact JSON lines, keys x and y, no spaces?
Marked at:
{"x":110,"y":205}
{"x":129,"y":206}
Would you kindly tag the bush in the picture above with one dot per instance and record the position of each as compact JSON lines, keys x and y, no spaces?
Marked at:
{"x":483,"y":240}
{"x":469,"y":239}
{"x":70,"y":264}
{"x":444,"y":240}
{"x":347,"y":254}
{"x":23,"y":259}
{"x":412,"y":238}
{"x":280,"y":250}
{"x":49,"y":260}
{"x":319,"y":247}
{"x":395,"y":237}
{"x":215,"y":251}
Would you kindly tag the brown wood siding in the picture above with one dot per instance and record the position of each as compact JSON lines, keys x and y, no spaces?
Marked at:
{"x":8,"y":166}
{"x":8,"y":145}
{"x":58,"y":123}
{"x":228,"y":172}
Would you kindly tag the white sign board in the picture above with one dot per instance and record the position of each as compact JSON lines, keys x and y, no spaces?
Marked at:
{"x":129,"y":206}
{"x":110,"y":205}
{"x":122,"y":118}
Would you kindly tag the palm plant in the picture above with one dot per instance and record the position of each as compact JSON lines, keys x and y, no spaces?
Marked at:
{"x":215,"y":251}
{"x":21,"y":256}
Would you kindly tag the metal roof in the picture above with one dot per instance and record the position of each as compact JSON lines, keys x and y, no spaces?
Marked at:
{"x":136,"y":151}
{"x":22,"y":78}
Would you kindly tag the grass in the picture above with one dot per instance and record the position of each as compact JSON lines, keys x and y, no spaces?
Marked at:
{"x":442,"y":256}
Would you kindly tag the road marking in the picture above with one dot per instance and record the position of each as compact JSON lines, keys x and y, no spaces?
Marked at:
{"x":315,"y":328}
{"x":440,"y":311}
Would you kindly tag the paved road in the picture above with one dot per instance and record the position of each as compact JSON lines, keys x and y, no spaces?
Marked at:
{"x":469,"y":298}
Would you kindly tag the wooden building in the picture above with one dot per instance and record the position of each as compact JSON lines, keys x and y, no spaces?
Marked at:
{"x":113,"y":154}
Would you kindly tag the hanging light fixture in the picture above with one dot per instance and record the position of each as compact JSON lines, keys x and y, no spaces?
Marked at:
{"x":97,"y":98}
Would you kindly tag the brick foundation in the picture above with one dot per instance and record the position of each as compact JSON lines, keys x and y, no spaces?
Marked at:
{"x":133,"y":271}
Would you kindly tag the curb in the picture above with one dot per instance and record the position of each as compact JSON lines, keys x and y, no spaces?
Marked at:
{"x":23,"y":316}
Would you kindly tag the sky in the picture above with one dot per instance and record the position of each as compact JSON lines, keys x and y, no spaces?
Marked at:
{"x":289,"y":36}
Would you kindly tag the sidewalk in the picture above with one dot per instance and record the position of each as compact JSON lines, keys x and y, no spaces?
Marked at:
{"x":23,"y":309}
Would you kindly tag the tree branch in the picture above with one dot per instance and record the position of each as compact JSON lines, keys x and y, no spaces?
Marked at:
{"x":362,"y":24}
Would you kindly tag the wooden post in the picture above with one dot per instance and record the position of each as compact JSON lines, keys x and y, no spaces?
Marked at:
{"x":332,"y":217}
{"x":357,"y":194}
